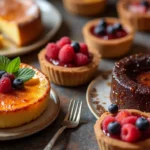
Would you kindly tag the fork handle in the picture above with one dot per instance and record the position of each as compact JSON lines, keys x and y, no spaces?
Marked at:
{"x":55,"y":137}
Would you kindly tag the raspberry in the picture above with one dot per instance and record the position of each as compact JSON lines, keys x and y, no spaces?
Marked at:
{"x":5,"y":85}
{"x":130,"y":133}
{"x":81,"y":59}
{"x":63,"y":41}
{"x":84,"y":49}
{"x":52,"y":51}
{"x":130,"y":119}
{"x":66,"y":54}
{"x":122,"y":114}
{"x":106,"y":121}
{"x":10,"y":76}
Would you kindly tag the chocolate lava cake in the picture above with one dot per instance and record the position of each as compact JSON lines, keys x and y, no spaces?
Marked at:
{"x":130,"y":86}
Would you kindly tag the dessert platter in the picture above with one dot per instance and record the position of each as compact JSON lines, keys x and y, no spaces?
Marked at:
{"x":30,"y":30}
{"x":26,"y":98}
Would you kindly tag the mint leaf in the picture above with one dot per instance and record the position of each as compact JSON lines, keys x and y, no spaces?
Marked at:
{"x":25,"y":74}
{"x":4,"y":61}
{"x":13,"y":66}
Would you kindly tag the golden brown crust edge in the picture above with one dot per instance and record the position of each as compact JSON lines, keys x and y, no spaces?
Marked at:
{"x":69,"y":76}
{"x":138,"y":21}
{"x":31,"y":30}
{"x":83,"y":8}
{"x":108,"y":48}
{"x":107,"y":143}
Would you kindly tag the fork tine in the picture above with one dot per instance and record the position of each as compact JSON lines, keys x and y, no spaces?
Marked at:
{"x":69,"y":109}
{"x":72,"y":110}
{"x":79,"y":112}
{"x":75,"y":112}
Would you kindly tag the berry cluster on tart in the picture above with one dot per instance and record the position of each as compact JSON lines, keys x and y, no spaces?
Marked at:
{"x":24,"y":92}
{"x":123,"y":129}
{"x":85,"y":7}
{"x":130,"y":87}
{"x":109,"y":36}
{"x":68,"y":63}
{"x":136,"y":13}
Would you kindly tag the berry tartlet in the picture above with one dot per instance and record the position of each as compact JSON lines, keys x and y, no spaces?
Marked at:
{"x":85,"y":7}
{"x":130,"y":87}
{"x":127,"y":129}
{"x":24,"y":93}
{"x":135,"y":12}
{"x":68,"y":63}
{"x":109,"y":36}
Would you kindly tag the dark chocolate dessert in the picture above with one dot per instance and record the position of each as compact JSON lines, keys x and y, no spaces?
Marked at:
{"x":131,"y":82}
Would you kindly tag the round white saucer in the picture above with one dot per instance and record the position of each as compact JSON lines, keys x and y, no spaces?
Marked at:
{"x":97,"y":95}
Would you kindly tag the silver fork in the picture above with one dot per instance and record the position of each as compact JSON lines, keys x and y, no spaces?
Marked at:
{"x":71,"y":120}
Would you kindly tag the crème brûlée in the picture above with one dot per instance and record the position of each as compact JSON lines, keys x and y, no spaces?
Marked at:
{"x":22,"y":106}
{"x":20,"y":21}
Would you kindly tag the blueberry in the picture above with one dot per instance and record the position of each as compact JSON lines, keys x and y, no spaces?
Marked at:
{"x":110,"y":30}
{"x":145,"y":3}
{"x":75,"y":46}
{"x":1,"y":73}
{"x":18,"y":84}
{"x":117,"y":26}
{"x":102,"y":23}
{"x":99,"y":30}
{"x":142,"y":124}
{"x":114,"y":128}
{"x":113,"y":108}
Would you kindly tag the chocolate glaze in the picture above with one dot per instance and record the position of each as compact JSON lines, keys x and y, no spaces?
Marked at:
{"x":126,"y":91}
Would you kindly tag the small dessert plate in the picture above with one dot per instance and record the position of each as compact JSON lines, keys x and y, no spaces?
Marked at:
{"x":49,"y":115}
{"x":51,"y":25}
{"x":97,"y":95}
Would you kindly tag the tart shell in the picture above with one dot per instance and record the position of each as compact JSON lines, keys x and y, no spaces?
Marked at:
{"x":108,"y":143}
{"x":84,"y":8}
{"x":139,"y":21}
{"x":108,"y":48}
{"x":64,"y":76}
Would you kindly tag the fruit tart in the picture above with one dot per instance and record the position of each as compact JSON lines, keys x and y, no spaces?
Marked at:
{"x":135,"y":12}
{"x":24,"y":93}
{"x":130,"y":86}
{"x":68,"y":63}
{"x":20,"y":21}
{"x":109,"y":36}
{"x":85,"y":7}
{"x":127,"y":129}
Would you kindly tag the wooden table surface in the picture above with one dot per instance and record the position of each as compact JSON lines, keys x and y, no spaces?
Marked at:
{"x":81,"y":138}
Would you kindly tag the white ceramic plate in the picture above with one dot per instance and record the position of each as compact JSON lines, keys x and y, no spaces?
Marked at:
{"x":37,"y":125}
{"x":97,"y":95}
{"x":51,"y":19}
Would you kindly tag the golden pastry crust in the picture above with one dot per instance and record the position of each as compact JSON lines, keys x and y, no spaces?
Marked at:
{"x":108,"y":143}
{"x":22,"y":106}
{"x":69,"y":76}
{"x":85,"y":7}
{"x":108,"y":48}
{"x":139,"y":21}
